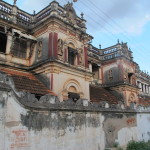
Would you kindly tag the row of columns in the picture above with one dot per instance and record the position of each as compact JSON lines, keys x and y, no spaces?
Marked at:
{"x":144,"y":88}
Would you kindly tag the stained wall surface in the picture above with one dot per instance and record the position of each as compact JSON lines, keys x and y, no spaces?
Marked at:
{"x":23,"y":128}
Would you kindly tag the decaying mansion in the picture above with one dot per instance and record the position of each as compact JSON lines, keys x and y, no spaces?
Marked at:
{"x":48,"y":56}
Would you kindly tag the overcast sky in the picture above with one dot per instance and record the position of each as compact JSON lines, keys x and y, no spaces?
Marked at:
{"x":110,"y":20}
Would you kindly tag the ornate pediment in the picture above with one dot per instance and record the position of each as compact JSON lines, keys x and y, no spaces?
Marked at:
{"x":70,"y":13}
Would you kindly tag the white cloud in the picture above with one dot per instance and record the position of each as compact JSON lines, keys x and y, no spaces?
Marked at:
{"x":129,"y":15}
{"x":115,"y":16}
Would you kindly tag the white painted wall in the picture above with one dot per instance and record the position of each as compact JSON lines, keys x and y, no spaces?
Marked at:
{"x":15,"y":136}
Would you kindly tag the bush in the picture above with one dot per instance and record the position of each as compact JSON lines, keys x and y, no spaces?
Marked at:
{"x":119,"y":148}
{"x":138,"y":145}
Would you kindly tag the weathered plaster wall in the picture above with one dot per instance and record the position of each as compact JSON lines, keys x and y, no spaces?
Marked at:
{"x":115,"y":73}
{"x":65,"y":78}
{"x":2,"y":118}
{"x":24,"y":128}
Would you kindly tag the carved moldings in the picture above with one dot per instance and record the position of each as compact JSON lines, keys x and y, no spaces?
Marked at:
{"x":132,"y":98}
{"x":125,"y":76}
{"x":70,"y":13}
{"x":39,"y":47}
{"x":72,"y":86}
{"x":60,"y":49}
{"x":80,"y":57}
{"x":133,"y":81}
{"x":32,"y":46}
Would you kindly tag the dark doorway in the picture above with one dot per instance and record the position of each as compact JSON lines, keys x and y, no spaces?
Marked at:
{"x":71,"y":56}
{"x":3,"y":42}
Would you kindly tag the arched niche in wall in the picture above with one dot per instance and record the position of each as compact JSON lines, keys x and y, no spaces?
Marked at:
{"x":72,"y":86}
{"x":133,"y":99}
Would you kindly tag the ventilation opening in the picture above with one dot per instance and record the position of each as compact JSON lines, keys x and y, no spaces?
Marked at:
{"x":38,"y":96}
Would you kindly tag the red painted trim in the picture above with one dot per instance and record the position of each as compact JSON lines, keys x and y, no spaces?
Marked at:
{"x":50,"y":45}
{"x":86,"y":57}
{"x":51,"y":82}
{"x":55,"y":44}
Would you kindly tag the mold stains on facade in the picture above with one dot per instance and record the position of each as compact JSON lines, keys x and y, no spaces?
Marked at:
{"x":115,"y":122}
{"x":2,"y":101}
{"x":59,"y":121}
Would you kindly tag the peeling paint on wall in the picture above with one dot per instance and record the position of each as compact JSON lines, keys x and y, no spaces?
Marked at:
{"x":114,"y":122}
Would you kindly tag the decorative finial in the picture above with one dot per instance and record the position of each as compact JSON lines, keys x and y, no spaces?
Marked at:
{"x":82,"y":15}
{"x":118,"y":41}
{"x":34,"y":12}
{"x":74,"y":0}
{"x":100,"y":46}
{"x":15,"y":2}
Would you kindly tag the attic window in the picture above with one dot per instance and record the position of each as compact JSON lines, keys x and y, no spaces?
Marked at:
{"x":110,"y":75}
{"x":3,"y":41}
{"x":19,"y":47}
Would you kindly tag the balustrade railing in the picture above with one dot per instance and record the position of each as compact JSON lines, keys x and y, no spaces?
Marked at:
{"x":42,"y":15}
{"x":24,"y":17}
{"x":5,"y":8}
{"x":15,"y":15}
{"x":5,"y":11}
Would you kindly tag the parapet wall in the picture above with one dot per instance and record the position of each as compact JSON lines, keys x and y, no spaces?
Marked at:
{"x":30,"y":124}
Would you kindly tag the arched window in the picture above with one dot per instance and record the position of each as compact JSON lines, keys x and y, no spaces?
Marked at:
{"x":72,"y":52}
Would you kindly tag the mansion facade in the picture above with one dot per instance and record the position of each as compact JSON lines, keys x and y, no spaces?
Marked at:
{"x":50,"y":52}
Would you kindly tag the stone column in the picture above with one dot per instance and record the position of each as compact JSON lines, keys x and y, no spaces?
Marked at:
{"x":144,"y":88}
{"x":28,"y":49}
{"x":14,"y":14}
{"x":90,"y":67}
{"x":147,"y":89}
{"x":140,"y":86}
{"x":9,"y":42}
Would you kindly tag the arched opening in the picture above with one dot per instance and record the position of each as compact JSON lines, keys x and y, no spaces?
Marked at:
{"x":72,"y":89}
{"x":72,"y":52}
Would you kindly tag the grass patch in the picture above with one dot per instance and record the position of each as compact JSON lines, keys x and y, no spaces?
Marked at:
{"x":138,"y":145}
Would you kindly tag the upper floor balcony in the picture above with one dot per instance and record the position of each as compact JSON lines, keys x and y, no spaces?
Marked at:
{"x":12,"y":14}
